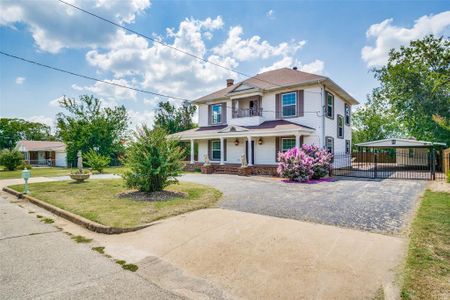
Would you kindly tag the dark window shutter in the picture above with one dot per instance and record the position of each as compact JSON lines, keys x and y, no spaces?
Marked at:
{"x":278,"y":106}
{"x":300,"y":103}
{"x":277,"y":147}
{"x":209,"y":150}
{"x":301,"y":140}
{"x":224,"y":113}
{"x":209,"y":114}
{"x":225,"y":149}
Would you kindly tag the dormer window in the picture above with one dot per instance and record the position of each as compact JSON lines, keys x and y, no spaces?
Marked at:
{"x":289,"y":104}
{"x":216,"y":117}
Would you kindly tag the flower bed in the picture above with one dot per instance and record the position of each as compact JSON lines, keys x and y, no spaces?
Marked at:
{"x":305,"y":163}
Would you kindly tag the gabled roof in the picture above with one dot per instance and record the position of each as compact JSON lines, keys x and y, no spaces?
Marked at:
{"x":398,"y":143}
{"x":25,"y":146}
{"x":277,"y":79}
{"x":274,"y":127}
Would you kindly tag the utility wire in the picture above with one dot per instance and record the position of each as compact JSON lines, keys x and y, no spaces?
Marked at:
{"x":91,"y":78}
{"x":165,"y":44}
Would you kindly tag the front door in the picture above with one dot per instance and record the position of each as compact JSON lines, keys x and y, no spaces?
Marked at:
{"x":252,"y":154}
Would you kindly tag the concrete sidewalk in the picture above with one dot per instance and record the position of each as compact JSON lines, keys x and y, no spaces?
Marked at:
{"x":39,"y":261}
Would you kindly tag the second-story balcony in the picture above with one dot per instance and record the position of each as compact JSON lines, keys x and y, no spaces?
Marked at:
{"x":247,"y":112}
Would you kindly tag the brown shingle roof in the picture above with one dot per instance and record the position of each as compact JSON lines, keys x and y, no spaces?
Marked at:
{"x":42,"y":146}
{"x":268,"y":80}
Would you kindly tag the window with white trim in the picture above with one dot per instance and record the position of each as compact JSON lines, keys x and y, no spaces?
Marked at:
{"x":347,"y":147}
{"x":215,"y":150}
{"x":330,"y":106}
{"x":340,"y":126}
{"x":287,"y":143}
{"x":289,"y":104}
{"x":329,"y":144}
{"x":216,"y":111}
{"x":347,"y":114}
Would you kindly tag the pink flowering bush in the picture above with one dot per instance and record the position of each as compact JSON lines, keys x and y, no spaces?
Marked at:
{"x":304,"y":163}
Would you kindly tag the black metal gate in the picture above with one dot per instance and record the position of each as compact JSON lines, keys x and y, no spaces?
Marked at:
{"x":397,"y":164}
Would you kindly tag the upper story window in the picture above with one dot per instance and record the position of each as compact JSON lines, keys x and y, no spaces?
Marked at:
{"x":329,"y":144}
{"x":287,"y":143}
{"x":216,"y":111}
{"x":340,"y":126}
{"x":347,"y":114}
{"x":289,"y":104}
{"x":330,"y":106}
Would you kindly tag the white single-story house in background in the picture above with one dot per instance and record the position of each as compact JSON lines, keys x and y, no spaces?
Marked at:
{"x":43,"y":153}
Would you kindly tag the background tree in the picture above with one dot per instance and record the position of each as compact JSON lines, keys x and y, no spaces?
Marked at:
{"x":375,"y":120}
{"x":14,"y":130}
{"x":154,"y":160}
{"x":416,"y":83}
{"x":96,"y":161}
{"x":173,"y":119}
{"x":86,"y":125}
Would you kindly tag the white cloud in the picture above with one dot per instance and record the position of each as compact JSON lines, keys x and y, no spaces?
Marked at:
{"x":55,"y":102}
{"x":54,"y":25}
{"x":271,"y":14}
{"x":109,"y":92}
{"x":315,"y":67}
{"x":42,"y":119}
{"x":254,"y":48}
{"x":137,"y":118}
{"x":388,"y":36}
{"x":20,"y":80}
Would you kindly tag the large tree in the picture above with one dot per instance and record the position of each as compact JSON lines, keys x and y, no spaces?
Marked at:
{"x":173,"y":119}
{"x":14,"y":130}
{"x":416,"y":84}
{"x":87,"y":125}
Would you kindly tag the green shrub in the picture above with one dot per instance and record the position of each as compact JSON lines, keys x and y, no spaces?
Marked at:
{"x":96,"y":161}
{"x":153,"y":160}
{"x":24,"y":165}
{"x":448,"y":176}
{"x":11,"y":159}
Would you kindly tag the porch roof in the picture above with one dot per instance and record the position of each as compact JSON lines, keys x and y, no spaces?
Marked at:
{"x":399,"y":143}
{"x":267,"y":128}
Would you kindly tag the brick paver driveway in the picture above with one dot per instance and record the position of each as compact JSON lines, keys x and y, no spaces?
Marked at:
{"x":380,"y":206}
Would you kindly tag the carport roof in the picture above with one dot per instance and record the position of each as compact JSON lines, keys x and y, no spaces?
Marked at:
{"x":399,"y":143}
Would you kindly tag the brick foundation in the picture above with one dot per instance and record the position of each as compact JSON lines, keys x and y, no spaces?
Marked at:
{"x":260,"y":170}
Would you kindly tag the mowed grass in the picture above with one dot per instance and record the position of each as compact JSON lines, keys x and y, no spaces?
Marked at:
{"x":52,"y":172}
{"x":97,"y":200}
{"x":427,"y":271}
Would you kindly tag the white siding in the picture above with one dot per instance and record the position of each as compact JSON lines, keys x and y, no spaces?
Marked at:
{"x":265,"y":153}
{"x":61,"y":159}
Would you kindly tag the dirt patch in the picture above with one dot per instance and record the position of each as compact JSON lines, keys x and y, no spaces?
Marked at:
{"x":154,"y":196}
{"x":439,"y":186}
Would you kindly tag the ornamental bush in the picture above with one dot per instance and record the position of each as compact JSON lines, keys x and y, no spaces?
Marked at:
{"x":304,"y":163}
{"x":153,"y":159}
{"x":11,"y":159}
{"x":96,"y":161}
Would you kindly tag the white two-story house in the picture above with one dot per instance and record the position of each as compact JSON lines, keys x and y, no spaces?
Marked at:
{"x":268,"y":113}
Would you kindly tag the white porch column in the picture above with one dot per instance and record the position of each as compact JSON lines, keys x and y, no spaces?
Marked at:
{"x":222,"y":154}
{"x":192,"y":151}
{"x":297,"y":141}
{"x":249,"y":151}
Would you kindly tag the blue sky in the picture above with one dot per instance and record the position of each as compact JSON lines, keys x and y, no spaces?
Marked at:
{"x":339,"y":39}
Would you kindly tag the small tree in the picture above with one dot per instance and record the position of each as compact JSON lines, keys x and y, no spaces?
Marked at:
{"x":153,"y":159}
{"x":11,"y":159}
{"x":96,"y":161}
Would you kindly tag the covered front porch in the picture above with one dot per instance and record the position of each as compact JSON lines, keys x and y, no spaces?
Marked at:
{"x":227,"y":148}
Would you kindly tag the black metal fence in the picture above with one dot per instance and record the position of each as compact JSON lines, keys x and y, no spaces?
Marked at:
{"x":400,"y":164}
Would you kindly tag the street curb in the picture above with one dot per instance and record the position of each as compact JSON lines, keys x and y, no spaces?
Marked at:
{"x":88,"y":224}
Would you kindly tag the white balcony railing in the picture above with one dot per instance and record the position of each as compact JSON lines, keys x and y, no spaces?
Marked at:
{"x":247,"y":112}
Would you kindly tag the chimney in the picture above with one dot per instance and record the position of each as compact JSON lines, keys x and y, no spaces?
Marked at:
{"x":230,"y":82}
{"x":294,"y":68}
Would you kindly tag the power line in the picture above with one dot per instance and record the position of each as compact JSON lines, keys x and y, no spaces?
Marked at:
{"x":91,"y":78}
{"x":165,"y":44}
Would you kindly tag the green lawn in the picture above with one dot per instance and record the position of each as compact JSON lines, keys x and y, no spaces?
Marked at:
{"x":96,"y":200}
{"x":427,"y":271}
{"x":51,"y":172}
